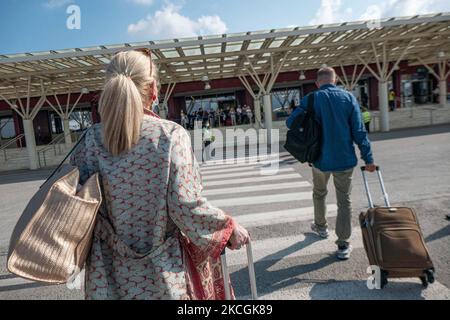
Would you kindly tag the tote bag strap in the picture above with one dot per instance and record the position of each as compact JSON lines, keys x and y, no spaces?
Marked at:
{"x":82,"y":138}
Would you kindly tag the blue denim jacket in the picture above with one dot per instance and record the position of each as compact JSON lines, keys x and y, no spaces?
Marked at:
{"x":339,"y":113}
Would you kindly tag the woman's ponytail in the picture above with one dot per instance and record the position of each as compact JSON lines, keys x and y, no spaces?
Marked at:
{"x":123,"y":99}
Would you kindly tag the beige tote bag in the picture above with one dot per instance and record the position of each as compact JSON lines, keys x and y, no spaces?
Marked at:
{"x":53,"y":237}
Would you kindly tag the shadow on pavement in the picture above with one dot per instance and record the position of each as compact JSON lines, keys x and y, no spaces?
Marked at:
{"x":23,"y":286}
{"x":19,"y":286}
{"x":24,"y":176}
{"x":442,"y":233}
{"x":270,"y":281}
{"x":357,"y":290}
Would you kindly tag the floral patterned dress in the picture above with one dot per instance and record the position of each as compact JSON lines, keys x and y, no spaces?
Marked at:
{"x":155,"y":237}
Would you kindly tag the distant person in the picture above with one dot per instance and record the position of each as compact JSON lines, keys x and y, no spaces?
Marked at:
{"x":228,"y":116}
{"x":191,"y":120}
{"x":233,"y":117}
{"x":249,"y":114}
{"x":207,"y":140}
{"x":239,"y":115}
{"x":212,"y":118}
{"x":199,"y":119}
{"x":340,"y":117}
{"x":244,"y":115}
{"x":392,"y":100}
{"x":366,"y":118}
{"x":205,"y":116}
{"x":217,"y":117}
{"x":223,"y":117}
{"x":184,"y":119}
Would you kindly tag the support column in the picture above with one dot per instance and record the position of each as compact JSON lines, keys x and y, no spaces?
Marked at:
{"x":265,"y":87}
{"x":443,"y":92}
{"x":385,"y":71}
{"x":164,"y":106}
{"x":383,"y":103}
{"x":67,"y":133}
{"x":441,"y":76}
{"x":30,"y":139}
{"x":163,"y":110}
{"x":257,"y":106}
{"x":27,"y":113}
{"x":65,"y":112}
{"x":267,"y":103}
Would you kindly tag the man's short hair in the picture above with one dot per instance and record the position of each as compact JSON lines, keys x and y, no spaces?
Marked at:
{"x":326,"y":74}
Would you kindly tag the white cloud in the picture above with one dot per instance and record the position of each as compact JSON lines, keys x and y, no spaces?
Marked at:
{"x":397,"y":8}
{"x":51,"y":4}
{"x":331,"y":11}
{"x":170,"y":23}
{"x":143,"y":2}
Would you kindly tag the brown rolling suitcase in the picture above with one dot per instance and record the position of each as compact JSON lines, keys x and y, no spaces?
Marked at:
{"x":393,"y":240}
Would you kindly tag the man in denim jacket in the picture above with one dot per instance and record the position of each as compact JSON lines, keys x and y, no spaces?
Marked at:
{"x":339,"y":114}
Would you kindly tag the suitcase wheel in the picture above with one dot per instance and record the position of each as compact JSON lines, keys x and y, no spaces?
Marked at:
{"x":424,"y":282}
{"x":430,"y":275}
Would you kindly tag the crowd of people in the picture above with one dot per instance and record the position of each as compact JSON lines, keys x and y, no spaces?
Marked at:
{"x":221,"y":117}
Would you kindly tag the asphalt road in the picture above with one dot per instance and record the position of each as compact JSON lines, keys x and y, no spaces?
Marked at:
{"x":290,"y":261}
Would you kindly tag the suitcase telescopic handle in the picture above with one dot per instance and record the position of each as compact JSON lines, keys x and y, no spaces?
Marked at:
{"x":251,"y":272}
{"x":383,"y":188}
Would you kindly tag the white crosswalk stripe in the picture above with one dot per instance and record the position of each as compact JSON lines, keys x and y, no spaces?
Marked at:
{"x":248,"y":174}
{"x":239,"y":201}
{"x":256,"y":167}
{"x":264,"y":187}
{"x":242,"y":165}
{"x":284,"y":216}
{"x":242,"y":160}
{"x":241,"y":185}
{"x":256,"y":179}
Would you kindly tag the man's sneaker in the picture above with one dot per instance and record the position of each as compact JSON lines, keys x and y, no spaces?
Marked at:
{"x":448,"y":217}
{"x":344,"y":251}
{"x":322,"y":232}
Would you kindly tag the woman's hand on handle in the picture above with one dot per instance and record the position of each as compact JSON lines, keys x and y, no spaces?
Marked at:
{"x":239,"y":237}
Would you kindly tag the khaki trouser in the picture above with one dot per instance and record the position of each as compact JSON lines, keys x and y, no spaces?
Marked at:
{"x":343,"y":185}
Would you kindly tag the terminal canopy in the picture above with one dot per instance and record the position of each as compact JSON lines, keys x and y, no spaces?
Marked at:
{"x":231,"y":55}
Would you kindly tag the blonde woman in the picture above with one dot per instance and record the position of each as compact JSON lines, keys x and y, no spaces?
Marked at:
{"x":156,"y":236}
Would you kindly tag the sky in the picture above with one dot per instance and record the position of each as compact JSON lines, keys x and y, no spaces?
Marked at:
{"x":41,"y":25}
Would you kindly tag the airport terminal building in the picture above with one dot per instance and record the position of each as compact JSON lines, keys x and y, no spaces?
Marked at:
{"x":45,"y":96}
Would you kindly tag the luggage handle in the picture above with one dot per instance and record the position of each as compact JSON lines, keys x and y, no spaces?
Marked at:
{"x":383,"y":188}
{"x":251,"y":273}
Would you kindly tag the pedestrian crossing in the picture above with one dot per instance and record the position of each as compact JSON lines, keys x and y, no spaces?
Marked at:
{"x":290,"y":261}
{"x":292,"y":266}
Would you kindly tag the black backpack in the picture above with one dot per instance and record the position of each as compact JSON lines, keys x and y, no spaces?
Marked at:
{"x":304,"y":139}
